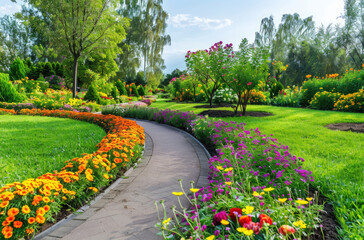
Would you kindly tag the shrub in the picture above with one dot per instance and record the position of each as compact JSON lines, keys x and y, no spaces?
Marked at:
{"x":351,"y":82}
{"x":48,"y":69}
{"x":225,"y":95}
{"x":115,"y":93}
{"x":257,"y":97}
{"x":324,"y":100}
{"x":353,"y":102}
{"x":92,"y":94}
{"x":120,"y":86}
{"x":55,"y":82}
{"x":141,"y":90}
{"x":134,"y":90}
{"x":7,"y":91}
{"x":17,"y":70}
{"x":274,"y":87}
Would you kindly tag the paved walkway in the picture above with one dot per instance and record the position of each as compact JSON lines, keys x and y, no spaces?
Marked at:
{"x":127,"y":211}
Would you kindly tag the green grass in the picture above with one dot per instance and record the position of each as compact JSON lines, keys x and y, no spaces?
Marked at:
{"x":334,"y":157}
{"x":31,"y":145}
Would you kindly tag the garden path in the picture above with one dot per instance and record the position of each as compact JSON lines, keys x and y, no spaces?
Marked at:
{"x":128,"y":210}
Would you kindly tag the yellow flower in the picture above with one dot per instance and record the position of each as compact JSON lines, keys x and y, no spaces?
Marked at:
{"x":228,"y":183}
{"x":300,"y":224}
{"x":248,"y":210}
{"x":194,"y":190}
{"x":268,"y":189}
{"x":309,"y":198}
{"x":256,"y":194}
{"x":228,"y":169}
{"x":240,"y":229}
{"x":220,"y":168}
{"x":166,"y":221}
{"x":177,"y":193}
{"x":282,"y":200}
{"x":302,"y":202}
{"x":106,"y":176}
{"x":212,"y":237}
{"x":224,"y":222}
{"x":248,"y":232}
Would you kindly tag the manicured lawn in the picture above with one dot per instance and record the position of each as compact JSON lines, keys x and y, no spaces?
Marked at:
{"x":31,"y":146}
{"x":335,"y":157}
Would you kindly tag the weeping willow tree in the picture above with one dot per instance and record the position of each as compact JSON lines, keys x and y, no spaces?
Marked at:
{"x":146,"y":38}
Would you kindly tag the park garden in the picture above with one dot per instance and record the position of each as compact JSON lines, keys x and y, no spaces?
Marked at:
{"x":282,"y":121}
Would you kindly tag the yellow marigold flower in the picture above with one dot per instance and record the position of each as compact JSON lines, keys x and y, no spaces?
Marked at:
{"x":228,"y":169}
{"x":256,"y":194}
{"x":93,"y":189}
{"x":220,"y":168}
{"x":194,"y":190}
{"x":177,"y":193}
{"x":300,"y":224}
{"x":309,"y":198}
{"x":212,"y":237}
{"x":25,"y":209}
{"x":228,"y":183}
{"x":106,"y":176}
{"x":46,"y":199}
{"x":224,"y":222}
{"x":268,"y":189}
{"x":282,"y":200}
{"x":301,"y":202}
{"x":166,"y":221}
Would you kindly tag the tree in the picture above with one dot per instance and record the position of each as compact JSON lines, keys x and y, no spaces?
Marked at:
{"x":244,"y":69}
{"x":17,"y":70}
{"x":146,"y":38}
{"x":207,"y":67}
{"x":174,"y":74}
{"x":83,"y":27}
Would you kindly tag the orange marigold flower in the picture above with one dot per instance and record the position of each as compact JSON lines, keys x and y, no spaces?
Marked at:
{"x":40,"y":219}
{"x":5,"y":223}
{"x":10,"y":219}
{"x":47,"y":208}
{"x":46,"y":199}
{"x":18,"y":224}
{"x":40,"y":211}
{"x":29,"y":231}
{"x":25,"y":209}
{"x":4,"y":204}
{"x":13,"y":211}
{"x":6,"y":230}
{"x":31,"y":220}
{"x":8,"y":235}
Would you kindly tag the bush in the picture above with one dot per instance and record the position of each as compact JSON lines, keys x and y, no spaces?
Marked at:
{"x":351,"y":82}
{"x":7,"y":91}
{"x":55,"y":82}
{"x":120,"y":86}
{"x":141,"y":90}
{"x":115,"y":93}
{"x":48,"y":69}
{"x":225,"y":95}
{"x":92,"y":94}
{"x":274,"y":87}
{"x":324,"y":100}
{"x":257,"y":97}
{"x":17,"y":70}
{"x":353,"y":102}
{"x":134,"y":90}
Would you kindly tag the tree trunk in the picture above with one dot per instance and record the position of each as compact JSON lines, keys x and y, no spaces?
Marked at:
{"x":210,"y":100}
{"x":75,"y":61}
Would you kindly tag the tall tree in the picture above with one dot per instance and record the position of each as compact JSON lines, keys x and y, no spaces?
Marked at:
{"x":83,"y":27}
{"x":146,"y":37}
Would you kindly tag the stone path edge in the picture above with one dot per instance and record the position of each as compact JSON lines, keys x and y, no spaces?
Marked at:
{"x":141,"y":163}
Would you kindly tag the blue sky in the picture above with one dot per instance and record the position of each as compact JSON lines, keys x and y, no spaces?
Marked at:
{"x":198,"y":24}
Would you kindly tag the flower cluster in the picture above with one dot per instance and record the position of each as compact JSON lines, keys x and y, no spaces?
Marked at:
{"x":24,"y":206}
{"x":353,"y":102}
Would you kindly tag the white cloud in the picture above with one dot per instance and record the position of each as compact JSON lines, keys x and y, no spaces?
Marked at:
{"x":9,"y":9}
{"x":186,"y":20}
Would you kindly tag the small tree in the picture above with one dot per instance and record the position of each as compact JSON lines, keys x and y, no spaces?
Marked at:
{"x":207,"y":67}
{"x":245,"y":69}
{"x":17,"y":70}
{"x":115,"y":92}
{"x":120,"y":86}
{"x":134,"y":90}
{"x":141,"y":90}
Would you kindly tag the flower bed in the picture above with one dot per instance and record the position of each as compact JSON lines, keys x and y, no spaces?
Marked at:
{"x":27,"y":205}
{"x":257,"y":188}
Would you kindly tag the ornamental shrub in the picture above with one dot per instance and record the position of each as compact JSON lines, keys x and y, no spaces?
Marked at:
{"x":115,"y":93}
{"x":141,"y":90}
{"x":7,"y":91}
{"x":120,"y":86}
{"x":48,"y":69}
{"x":353,"y":102}
{"x":92,"y":94}
{"x":55,"y":82}
{"x":324,"y":100}
{"x":17,"y":70}
{"x":274,"y":87}
{"x":134,"y":90}
{"x":225,"y":95}
{"x":351,"y":82}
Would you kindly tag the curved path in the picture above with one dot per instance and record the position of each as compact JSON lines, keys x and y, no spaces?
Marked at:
{"x":128,"y":211}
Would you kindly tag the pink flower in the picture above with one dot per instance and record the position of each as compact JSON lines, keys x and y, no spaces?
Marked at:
{"x":218,"y":217}
{"x":249,"y":83}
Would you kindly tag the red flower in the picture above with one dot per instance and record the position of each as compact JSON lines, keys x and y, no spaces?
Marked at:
{"x":234,"y":212}
{"x":286,"y":230}
{"x":249,"y":83}
{"x":244,"y":219}
{"x":252,"y":226}
{"x":218,"y":217}
{"x":285,"y":93}
{"x":265,"y":219}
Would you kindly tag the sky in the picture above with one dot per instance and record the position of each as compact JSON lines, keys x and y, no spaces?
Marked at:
{"x":198,"y":24}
